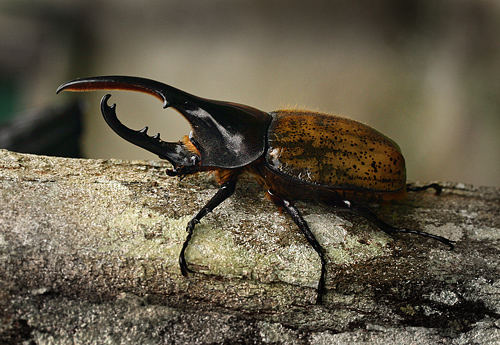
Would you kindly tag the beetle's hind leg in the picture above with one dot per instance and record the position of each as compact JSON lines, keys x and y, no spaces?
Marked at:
{"x":224,"y":192}
{"x":437,"y":187}
{"x":302,"y":224}
{"x":389,"y":229}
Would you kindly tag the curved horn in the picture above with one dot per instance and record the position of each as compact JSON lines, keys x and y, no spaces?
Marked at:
{"x":227,"y":135}
{"x":175,"y":153}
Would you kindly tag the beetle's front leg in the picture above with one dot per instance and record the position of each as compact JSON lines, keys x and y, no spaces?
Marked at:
{"x":388,"y":229}
{"x":224,"y":192}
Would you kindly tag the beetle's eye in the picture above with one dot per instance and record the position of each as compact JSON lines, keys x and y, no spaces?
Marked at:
{"x":194,"y":159}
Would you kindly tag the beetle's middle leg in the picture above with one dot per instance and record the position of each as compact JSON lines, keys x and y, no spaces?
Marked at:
{"x":302,"y":224}
{"x":224,"y":192}
{"x":389,"y":229}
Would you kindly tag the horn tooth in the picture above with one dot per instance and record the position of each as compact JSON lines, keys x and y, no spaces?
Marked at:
{"x":144,"y":130}
{"x":157,"y":136}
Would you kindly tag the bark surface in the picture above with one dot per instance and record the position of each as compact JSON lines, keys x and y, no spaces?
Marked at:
{"x":89,"y":254}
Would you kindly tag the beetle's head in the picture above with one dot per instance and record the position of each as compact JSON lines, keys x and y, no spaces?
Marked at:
{"x":223,"y":135}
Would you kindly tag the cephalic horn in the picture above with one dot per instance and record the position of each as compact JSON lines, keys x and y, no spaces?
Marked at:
{"x":226,"y":135}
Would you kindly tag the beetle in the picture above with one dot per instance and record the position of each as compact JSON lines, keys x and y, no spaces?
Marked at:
{"x":294,"y":155}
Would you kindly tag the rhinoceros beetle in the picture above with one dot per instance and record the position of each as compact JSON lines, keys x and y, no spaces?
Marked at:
{"x":294,"y":154}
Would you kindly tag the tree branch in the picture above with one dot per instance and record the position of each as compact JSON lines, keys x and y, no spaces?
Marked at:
{"x":89,"y":252}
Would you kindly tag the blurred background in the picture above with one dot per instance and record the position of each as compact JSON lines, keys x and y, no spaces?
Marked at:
{"x":425,"y":72}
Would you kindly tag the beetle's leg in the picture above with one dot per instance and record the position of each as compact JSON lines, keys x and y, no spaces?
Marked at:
{"x":224,"y":192}
{"x":438,"y":188}
{"x":302,"y":224}
{"x":389,"y":229}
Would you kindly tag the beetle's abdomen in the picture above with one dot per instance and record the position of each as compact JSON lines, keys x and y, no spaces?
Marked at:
{"x":334,"y":152}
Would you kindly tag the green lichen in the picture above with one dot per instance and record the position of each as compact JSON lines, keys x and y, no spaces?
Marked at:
{"x":132,"y":234}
